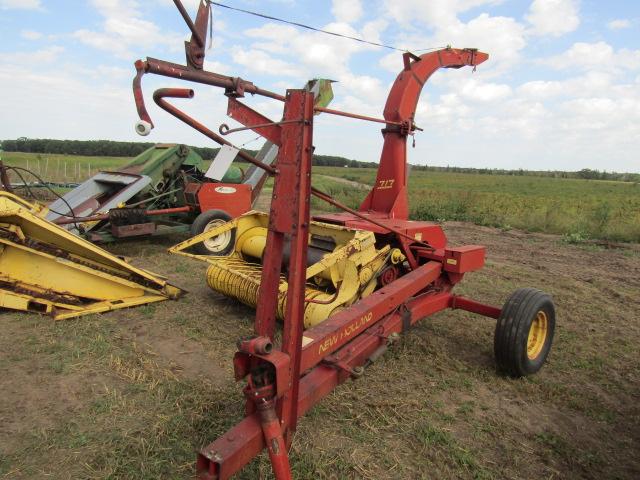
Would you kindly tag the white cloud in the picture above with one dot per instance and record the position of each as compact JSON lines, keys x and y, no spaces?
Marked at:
{"x":478,"y":91}
{"x":31,"y":34}
{"x":435,"y":13}
{"x":314,"y":53}
{"x":618,"y":24}
{"x":45,"y":55}
{"x":585,"y":114}
{"x":591,"y":83}
{"x":553,"y":17}
{"x":20,"y":5}
{"x":503,"y":37}
{"x":283,"y":50}
{"x":124,"y":31}
{"x":595,"y":56}
{"x":347,"y":11}
{"x":261,"y":62}
{"x":58,"y":99}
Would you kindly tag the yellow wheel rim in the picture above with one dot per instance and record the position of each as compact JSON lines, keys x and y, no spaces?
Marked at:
{"x":537,"y":335}
{"x":220,"y":242}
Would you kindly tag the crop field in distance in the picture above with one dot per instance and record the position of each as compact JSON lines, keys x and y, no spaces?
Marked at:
{"x":576,"y":208}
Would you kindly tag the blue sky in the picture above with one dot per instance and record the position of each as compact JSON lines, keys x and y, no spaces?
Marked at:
{"x":561,"y":89}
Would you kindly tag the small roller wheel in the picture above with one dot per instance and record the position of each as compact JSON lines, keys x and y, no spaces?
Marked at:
{"x":524,"y":332}
{"x":219,"y":245}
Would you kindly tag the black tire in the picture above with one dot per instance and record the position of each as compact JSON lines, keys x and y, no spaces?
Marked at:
{"x":527,"y":311}
{"x":203,"y":222}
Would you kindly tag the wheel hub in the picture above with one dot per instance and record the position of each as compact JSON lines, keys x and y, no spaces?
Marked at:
{"x":537,"y":335}
{"x":219,"y":242}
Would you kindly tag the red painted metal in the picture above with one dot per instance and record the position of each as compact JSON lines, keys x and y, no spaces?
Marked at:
{"x":464,"y":259}
{"x":238,"y":446}
{"x":233,"y":198}
{"x":274,"y":440}
{"x":194,"y":48}
{"x":286,"y":382}
{"x":255,"y":346}
{"x":159,"y":97}
{"x":389,"y":195}
{"x":370,"y":222}
{"x":250,"y":118}
{"x":279,"y":366}
{"x":344,"y":326}
{"x":469,"y":305}
{"x":232,"y":85}
{"x":356,"y":116}
{"x":293,"y":185}
{"x":233,"y":450}
{"x":197,"y":35}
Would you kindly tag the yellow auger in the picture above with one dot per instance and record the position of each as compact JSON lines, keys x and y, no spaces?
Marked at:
{"x":46,"y":269}
{"x":344,"y":264}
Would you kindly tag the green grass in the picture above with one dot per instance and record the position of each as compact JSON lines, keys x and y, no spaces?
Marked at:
{"x":62,"y":168}
{"x":580,"y":209}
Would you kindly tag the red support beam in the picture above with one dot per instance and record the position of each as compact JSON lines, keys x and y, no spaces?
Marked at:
{"x":249,"y":117}
{"x":472,"y":306}
{"x":344,"y":326}
{"x":292,"y":205}
{"x":238,"y":446}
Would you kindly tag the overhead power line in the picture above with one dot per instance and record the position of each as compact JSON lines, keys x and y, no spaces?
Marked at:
{"x":308,"y":27}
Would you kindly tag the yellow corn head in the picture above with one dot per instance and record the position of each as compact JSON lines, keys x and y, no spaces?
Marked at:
{"x":46,"y":269}
{"x":343,"y":264}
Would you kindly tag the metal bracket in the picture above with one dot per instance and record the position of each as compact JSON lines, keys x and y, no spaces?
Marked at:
{"x":355,"y":372}
{"x":225,"y":130}
{"x":243,"y":364}
{"x":405,"y":313}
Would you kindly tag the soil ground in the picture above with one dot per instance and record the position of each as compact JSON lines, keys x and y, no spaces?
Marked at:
{"x":134,"y":393}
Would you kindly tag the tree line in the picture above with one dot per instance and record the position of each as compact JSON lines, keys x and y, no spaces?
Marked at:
{"x":585,"y":173}
{"x":110,"y":148}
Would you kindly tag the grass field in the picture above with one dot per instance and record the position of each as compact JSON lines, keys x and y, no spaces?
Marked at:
{"x":578,"y":209}
{"x":62,"y":168}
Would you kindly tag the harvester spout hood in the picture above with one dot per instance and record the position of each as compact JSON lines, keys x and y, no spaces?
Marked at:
{"x":388,"y":198}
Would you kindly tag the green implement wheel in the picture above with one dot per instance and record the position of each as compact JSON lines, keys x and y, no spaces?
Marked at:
{"x":524,"y":332}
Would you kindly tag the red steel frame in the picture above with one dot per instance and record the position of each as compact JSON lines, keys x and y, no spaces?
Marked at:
{"x":284,"y":382}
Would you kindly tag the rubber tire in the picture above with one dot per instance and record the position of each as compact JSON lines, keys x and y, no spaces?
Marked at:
{"x":512,"y":332}
{"x":201,"y":222}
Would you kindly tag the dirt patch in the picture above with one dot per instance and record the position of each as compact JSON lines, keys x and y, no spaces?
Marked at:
{"x":40,"y":399}
{"x":183,"y":356}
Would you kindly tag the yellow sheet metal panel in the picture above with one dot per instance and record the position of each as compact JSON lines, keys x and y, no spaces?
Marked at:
{"x":16,"y":211}
{"x":63,"y":276}
{"x":45,"y":269}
